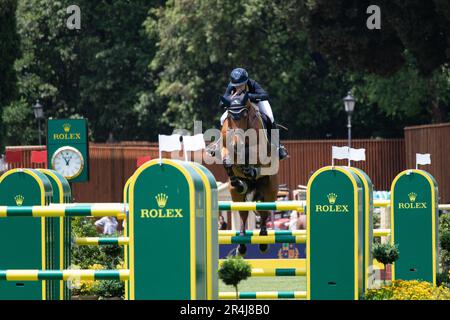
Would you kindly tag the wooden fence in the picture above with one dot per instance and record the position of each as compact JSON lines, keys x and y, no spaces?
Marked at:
{"x":433,"y":139}
{"x":112,"y":164}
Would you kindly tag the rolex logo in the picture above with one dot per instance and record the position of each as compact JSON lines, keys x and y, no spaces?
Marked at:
{"x":331,"y":207}
{"x":161,"y":200}
{"x":19,"y":200}
{"x":66,"y":127}
{"x":332,"y":198}
{"x":412,"y":196}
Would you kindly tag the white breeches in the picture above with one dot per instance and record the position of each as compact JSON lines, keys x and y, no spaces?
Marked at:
{"x":264,"y":107}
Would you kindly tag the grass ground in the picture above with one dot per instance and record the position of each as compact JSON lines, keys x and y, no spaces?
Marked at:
{"x":268,"y":284}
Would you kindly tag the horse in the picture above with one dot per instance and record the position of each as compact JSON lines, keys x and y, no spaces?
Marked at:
{"x":248,"y":181}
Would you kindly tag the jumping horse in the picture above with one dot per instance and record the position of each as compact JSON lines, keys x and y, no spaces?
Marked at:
{"x":249,"y":181}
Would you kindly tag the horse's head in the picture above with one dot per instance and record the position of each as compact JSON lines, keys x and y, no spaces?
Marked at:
{"x":238,"y":108}
{"x":240,"y":111}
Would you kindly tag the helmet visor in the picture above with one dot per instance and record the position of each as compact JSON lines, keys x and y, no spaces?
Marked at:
{"x":237,"y":84}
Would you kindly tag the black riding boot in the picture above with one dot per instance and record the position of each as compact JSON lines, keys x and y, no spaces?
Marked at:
{"x":282,"y":151}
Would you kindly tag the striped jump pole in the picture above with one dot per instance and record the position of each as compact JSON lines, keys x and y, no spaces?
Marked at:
{"x":66,"y":275}
{"x":283,"y":205}
{"x":95,"y":241}
{"x":229,"y":233}
{"x":278,"y":234}
{"x":264,"y":295}
{"x":261,"y":239}
{"x":65,"y":210}
{"x":278,"y":272}
{"x":261,"y":206}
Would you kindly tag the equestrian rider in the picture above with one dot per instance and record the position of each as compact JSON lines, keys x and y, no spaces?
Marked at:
{"x":239,"y":83}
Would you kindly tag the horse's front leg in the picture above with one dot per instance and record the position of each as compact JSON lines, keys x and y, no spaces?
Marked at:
{"x":240,"y":186}
{"x":243,"y":215}
{"x":244,"y":218}
{"x":264,"y":215}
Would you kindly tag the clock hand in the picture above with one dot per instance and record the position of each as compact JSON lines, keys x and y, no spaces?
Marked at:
{"x":66,"y":160}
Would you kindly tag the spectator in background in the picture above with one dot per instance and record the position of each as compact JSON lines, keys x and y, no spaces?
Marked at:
{"x":107,"y":225}
{"x":222,"y":224}
{"x":297,"y":221}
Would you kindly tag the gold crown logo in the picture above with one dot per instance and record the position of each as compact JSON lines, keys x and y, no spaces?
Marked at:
{"x":66,"y":127}
{"x":332,"y":198}
{"x":19,"y":200}
{"x":161,"y":200}
{"x":412,"y":196}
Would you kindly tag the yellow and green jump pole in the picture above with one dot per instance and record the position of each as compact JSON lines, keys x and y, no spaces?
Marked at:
{"x":65,"y":275}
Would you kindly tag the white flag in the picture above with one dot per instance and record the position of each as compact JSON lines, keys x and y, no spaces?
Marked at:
{"x":194,"y":143}
{"x":357,"y":154}
{"x":169,"y":143}
{"x":423,"y":159}
{"x":340,"y":153}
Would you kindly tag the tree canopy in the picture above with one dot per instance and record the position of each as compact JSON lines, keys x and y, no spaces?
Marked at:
{"x":143,"y":67}
{"x":9,"y":52}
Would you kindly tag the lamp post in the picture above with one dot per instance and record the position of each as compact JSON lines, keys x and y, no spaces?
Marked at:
{"x":38,"y":110}
{"x":349,"y":104}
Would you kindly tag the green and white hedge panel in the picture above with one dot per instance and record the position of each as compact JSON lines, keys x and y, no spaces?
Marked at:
{"x":62,"y":193}
{"x":335,"y":237}
{"x":171,"y":206}
{"x":414,"y":225}
{"x":26,"y":243}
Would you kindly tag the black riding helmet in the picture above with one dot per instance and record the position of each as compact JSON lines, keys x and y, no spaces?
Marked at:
{"x":238,"y":77}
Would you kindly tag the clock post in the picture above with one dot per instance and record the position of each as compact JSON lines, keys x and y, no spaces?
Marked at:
{"x":68,"y":148}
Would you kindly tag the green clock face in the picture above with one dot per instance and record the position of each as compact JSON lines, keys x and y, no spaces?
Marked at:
{"x":68,"y":161}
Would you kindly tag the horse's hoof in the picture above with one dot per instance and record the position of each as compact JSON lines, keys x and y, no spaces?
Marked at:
{"x":242,"y":250}
{"x":263,"y":248}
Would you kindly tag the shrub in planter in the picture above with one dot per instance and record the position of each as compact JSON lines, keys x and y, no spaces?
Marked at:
{"x":385,"y":253}
{"x":233,"y":270}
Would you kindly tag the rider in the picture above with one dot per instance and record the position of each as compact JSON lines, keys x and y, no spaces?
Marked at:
{"x":240,"y":82}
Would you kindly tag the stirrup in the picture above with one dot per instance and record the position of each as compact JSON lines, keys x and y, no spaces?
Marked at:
{"x":282,"y":152}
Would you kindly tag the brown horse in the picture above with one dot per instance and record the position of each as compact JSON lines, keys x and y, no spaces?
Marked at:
{"x":246,"y":161}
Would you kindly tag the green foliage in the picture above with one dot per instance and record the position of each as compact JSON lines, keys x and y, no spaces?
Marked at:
{"x":9,"y":52}
{"x":143,"y":67}
{"x":444,"y":253}
{"x":109,"y":288}
{"x":385,"y":253}
{"x":201,"y":42}
{"x":445,"y":240}
{"x":442,"y":279}
{"x":409,"y":290}
{"x":96,"y":257}
{"x":338,"y":29}
{"x":233,"y":270}
{"x":404,"y":66}
{"x":19,"y":119}
{"x":94,"y":72}
{"x":85,"y":256}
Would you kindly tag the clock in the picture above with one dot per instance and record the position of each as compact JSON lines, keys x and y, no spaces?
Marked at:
{"x":68,"y":161}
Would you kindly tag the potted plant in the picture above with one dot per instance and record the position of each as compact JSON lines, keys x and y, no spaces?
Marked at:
{"x":233,"y":270}
{"x":387,"y":254}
